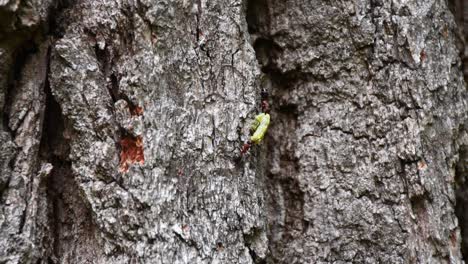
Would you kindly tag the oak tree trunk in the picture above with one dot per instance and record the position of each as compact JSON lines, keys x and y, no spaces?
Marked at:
{"x":122,"y":123}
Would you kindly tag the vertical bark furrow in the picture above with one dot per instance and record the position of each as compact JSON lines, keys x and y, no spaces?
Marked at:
{"x":459,"y":8}
{"x":64,"y":206}
{"x":24,"y":112}
{"x":461,"y":189}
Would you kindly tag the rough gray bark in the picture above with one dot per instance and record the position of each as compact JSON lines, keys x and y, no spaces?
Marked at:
{"x":365,"y":160}
{"x":380,"y":109}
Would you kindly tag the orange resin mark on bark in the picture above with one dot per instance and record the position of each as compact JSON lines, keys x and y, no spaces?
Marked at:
{"x":131,"y":152}
{"x":422,"y":165}
{"x":423,"y":55}
{"x":136,"y":111}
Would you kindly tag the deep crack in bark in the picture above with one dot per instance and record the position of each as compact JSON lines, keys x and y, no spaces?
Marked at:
{"x":71,"y":228}
{"x":285,"y":199}
{"x":461,"y":192}
{"x":459,"y":9}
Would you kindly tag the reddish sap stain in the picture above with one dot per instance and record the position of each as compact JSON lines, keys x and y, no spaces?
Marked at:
{"x":136,"y":111}
{"x":131,"y":152}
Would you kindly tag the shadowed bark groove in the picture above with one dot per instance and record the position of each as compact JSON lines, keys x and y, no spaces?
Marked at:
{"x":459,"y":8}
{"x":285,"y":196}
{"x":71,"y":233}
{"x":461,"y":188}
{"x":285,"y":199}
{"x":21,"y":54}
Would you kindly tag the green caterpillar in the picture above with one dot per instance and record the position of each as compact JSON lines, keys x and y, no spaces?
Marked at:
{"x":260,"y":126}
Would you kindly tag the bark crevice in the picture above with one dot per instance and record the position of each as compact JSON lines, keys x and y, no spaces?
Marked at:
{"x":249,"y":240}
{"x":71,"y":230}
{"x":285,"y":199}
{"x":459,"y":9}
{"x":21,"y":55}
{"x":461,"y":192}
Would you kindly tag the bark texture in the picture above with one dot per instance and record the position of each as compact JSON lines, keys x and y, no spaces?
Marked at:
{"x":374,"y":104}
{"x":122,"y":122}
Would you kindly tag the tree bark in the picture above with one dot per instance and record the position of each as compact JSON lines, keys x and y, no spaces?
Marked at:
{"x":122,"y":123}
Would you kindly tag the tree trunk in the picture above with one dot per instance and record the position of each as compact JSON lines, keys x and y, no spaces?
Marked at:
{"x":122,"y":123}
